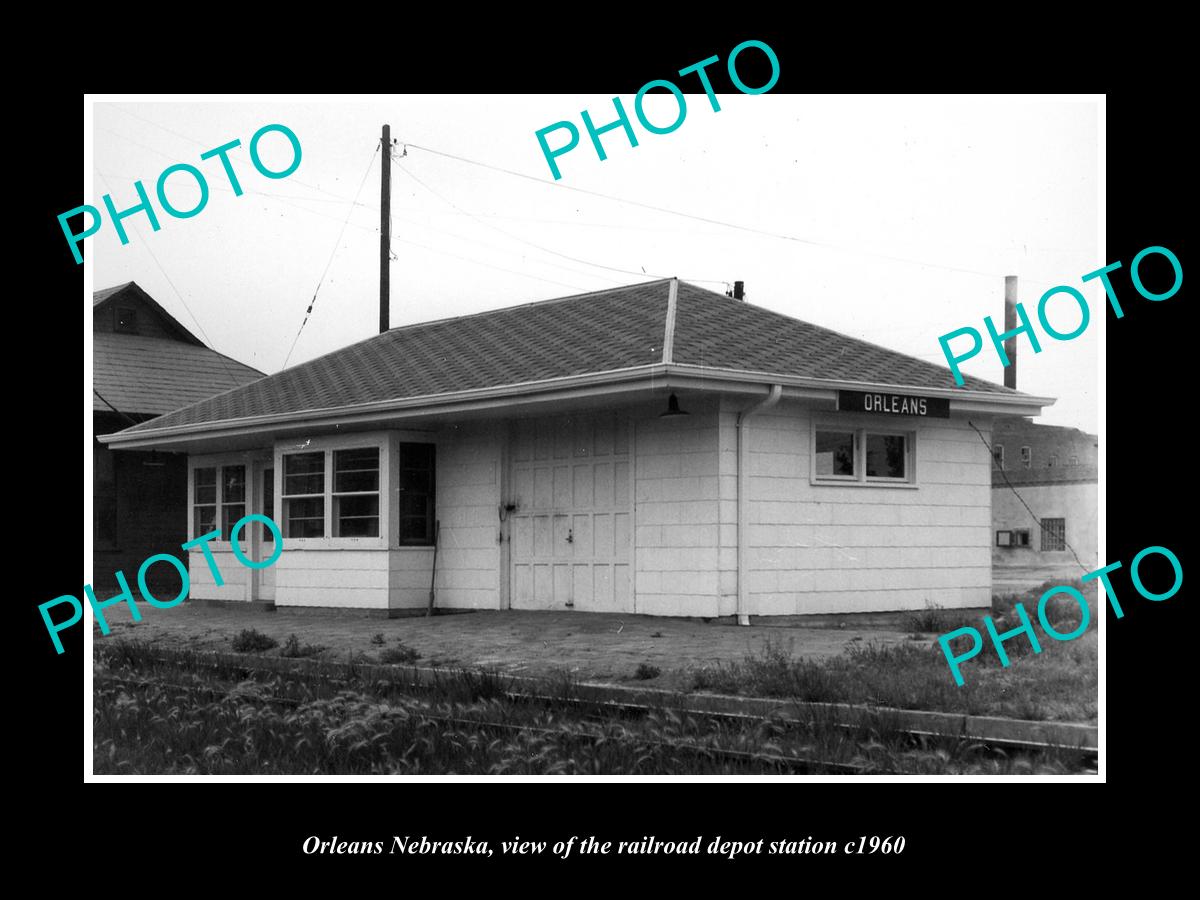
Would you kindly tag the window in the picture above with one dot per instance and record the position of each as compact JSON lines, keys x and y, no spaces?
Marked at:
{"x":835,"y":454}
{"x":887,"y":456}
{"x":1014,"y":538}
{"x":998,"y":455}
{"x":204,"y":500}
{"x":1027,"y":457}
{"x":416,"y":493}
{"x":862,"y":456}
{"x":303,"y":494}
{"x":356,"y":493}
{"x":125,"y":320}
{"x":1074,"y":461}
{"x":1054,"y":534}
{"x":1053,"y":461}
{"x":218,"y":495}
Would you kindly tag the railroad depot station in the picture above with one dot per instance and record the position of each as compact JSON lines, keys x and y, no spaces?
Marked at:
{"x":656,"y":448}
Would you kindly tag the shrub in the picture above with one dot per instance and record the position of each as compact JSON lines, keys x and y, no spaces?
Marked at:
{"x":399,"y":654}
{"x":251,"y":640}
{"x":293,"y":649}
{"x":645,"y":671}
{"x":931,"y":618}
{"x":378,"y":639}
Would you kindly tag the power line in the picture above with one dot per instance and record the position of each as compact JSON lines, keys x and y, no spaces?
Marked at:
{"x":479,"y":262}
{"x":451,"y":203}
{"x":126,"y":416}
{"x":1004,"y":475}
{"x":673,"y":212}
{"x":337,"y":243}
{"x":192,"y":140}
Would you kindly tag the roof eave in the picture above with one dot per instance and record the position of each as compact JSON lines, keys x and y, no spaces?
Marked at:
{"x":613,"y":382}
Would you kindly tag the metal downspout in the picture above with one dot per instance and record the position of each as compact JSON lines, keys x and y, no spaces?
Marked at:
{"x":743,"y":503}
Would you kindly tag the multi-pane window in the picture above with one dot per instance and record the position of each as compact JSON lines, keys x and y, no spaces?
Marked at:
{"x":303,"y":495}
{"x":862,"y":455}
{"x":416,"y":493}
{"x":1027,"y":457}
{"x":218,"y":496}
{"x":356,"y":492}
{"x":1053,"y":460}
{"x":1054,"y":534}
{"x":204,"y":500}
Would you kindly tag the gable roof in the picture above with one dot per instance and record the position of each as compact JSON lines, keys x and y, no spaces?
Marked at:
{"x":130,"y":291}
{"x":150,"y":376}
{"x":619,"y":330}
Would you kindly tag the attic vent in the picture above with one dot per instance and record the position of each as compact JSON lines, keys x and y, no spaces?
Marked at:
{"x":125,"y":320}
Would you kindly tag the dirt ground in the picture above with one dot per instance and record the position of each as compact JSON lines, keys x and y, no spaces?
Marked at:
{"x":591,"y":646}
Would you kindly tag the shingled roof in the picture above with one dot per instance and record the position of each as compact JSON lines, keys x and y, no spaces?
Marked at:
{"x":621,"y":328}
{"x":149,"y":376}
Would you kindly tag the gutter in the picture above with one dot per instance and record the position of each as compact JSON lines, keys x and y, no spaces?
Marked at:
{"x":743,"y":500}
{"x":656,"y":375}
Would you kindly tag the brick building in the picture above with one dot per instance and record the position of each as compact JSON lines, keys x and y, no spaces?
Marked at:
{"x":145,"y":363}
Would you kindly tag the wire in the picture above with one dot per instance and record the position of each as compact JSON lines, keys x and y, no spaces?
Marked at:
{"x":192,"y":140}
{"x":508,"y":234}
{"x":673,"y":212}
{"x":336,"y":244}
{"x":126,"y":416}
{"x":1004,"y":475}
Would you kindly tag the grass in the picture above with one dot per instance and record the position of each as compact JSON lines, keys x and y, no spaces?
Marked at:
{"x":646,"y":671}
{"x":182,"y":712}
{"x":399,"y":655}
{"x":251,"y":640}
{"x":1059,"y":684}
{"x":293,"y":649}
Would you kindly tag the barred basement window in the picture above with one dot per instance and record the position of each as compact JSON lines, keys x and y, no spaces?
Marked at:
{"x":303,"y":495}
{"x":1054,"y":534}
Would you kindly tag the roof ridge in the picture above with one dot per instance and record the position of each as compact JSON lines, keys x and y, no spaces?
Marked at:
{"x":527,"y":305}
{"x":844,"y":335}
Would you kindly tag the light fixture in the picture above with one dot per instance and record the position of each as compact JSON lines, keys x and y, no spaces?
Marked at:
{"x":672,"y":409}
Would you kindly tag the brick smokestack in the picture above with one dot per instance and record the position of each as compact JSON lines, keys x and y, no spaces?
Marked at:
{"x":738,"y":290}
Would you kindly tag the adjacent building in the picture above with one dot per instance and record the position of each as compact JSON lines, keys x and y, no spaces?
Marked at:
{"x":655,"y":448}
{"x":1044,"y":496}
{"x":145,"y":363}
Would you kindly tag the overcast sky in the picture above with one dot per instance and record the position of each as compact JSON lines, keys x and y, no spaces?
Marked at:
{"x":884,"y":199}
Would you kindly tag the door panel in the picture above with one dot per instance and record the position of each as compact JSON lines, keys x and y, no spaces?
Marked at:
{"x":571,"y":542}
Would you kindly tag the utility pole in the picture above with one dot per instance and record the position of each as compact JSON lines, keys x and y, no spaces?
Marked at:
{"x":385,"y":228}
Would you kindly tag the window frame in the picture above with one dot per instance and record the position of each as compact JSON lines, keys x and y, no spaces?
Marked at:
{"x":251,"y":502}
{"x":860,"y":434}
{"x":323,"y":495}
{"x":335,"y":494}
{"x":431,"y":512}
{"x":131,"y":326}
{"x":999,"y":462}
{"x":1014,"y":542}
{"x":1027,"y":457}
{"x":1062,"y":535}
{"x":388,"y":443}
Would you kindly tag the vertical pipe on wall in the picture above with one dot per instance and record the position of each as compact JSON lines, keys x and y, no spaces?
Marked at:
{"x":743,"y":504}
